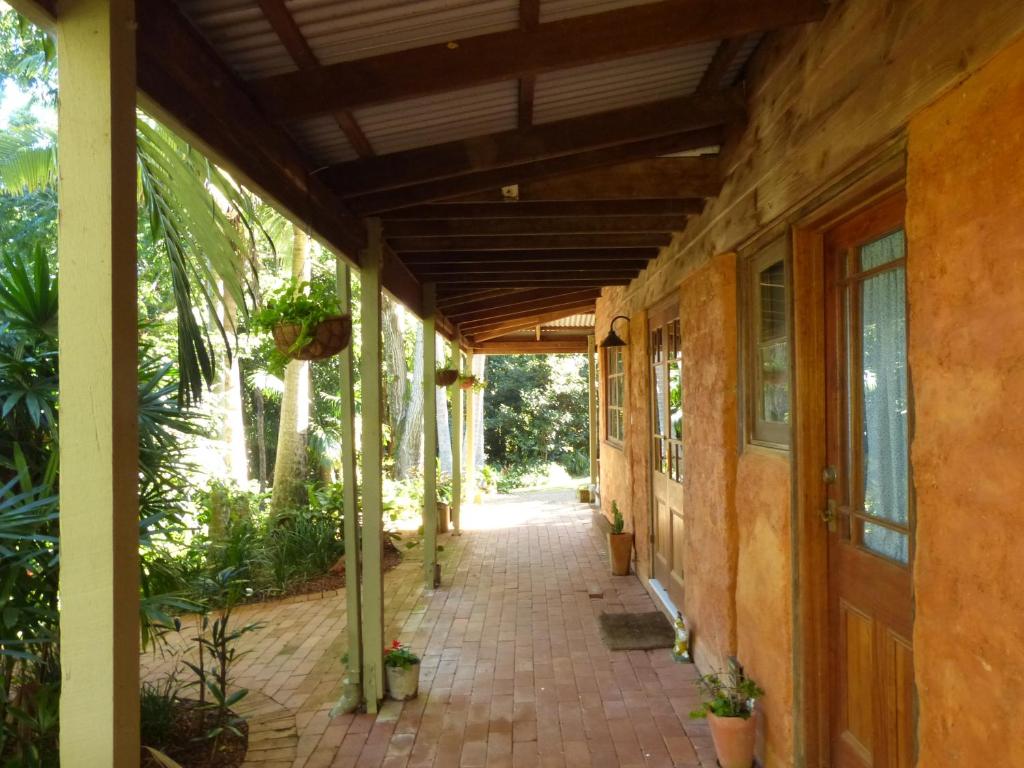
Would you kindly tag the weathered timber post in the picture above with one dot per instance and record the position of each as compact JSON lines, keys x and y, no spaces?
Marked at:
{"x":456,"y":406}
{"x":98,"y":348}
{"x":592,"y":410}
{"x":429,"y":435}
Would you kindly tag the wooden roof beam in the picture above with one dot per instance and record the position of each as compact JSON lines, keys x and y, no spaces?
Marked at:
{"x":564,"y":346}
{"x":480,"y":181}
{"x":511,"y":54}
{"x":582,"y":225}
{"x":536,"y":300}
{"x":541,"y":142}
{"x":419,"y":259}
{"x":531,"y":242}
{"x":513,"y":209}
{"x":428,"y":274}
{"x":656,"y":177}
{"x":518,"y":281}
{"x":556,"y":310}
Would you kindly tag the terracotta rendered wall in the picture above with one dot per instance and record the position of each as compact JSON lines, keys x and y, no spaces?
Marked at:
{"x":707,"y":313}
{"x":966,"y":292}
{"x":764,"y":613}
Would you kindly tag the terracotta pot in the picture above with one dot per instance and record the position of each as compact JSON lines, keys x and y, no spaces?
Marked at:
{"x":329,"y":338}
{"x":734,"y":740}
{"x":620,"y":548}
{"x":467,"y":383}
{"x":583,"y":494}
{"x":403,"y":682}
{"x":446,"y":377}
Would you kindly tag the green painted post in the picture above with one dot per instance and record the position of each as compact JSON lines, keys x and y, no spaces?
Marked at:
{"x":352,"y":695}
{"x":456,"y":407}
{"x":429,"y":435}
{"x":592,"y":412}
{"x":373,"y":521}
{"x":98,"y":348}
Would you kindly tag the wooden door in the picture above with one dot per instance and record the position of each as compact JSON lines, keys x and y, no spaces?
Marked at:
{"x":667,"y":446}
{"x":870,"y":509}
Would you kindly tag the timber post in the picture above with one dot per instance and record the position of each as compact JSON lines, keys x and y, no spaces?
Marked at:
{"x":372,"y":508}
{"x":429,"y":436}
{"x":592,"y":410}
{"x":456,"y":409}
{"x":470,"y":457}
{"x":98,"y":352}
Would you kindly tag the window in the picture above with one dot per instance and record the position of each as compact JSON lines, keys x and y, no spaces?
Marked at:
{"x":615,"y":398}
{"x":667,"y":391}
{"x":768,"y":348}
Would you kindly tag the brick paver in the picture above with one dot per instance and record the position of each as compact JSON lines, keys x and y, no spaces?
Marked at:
{"x":514,"y":672}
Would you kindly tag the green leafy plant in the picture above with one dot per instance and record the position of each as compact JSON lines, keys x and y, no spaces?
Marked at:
{"x":618,"y":523}
{"x":158,"y":702}
{"x":473,"y":383}
{"x":398,"y":655}
{"x":727,"y":694}
{"x":296,"y":303}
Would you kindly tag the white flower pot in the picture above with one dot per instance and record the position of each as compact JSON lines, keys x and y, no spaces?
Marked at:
{"x":403,"y":682}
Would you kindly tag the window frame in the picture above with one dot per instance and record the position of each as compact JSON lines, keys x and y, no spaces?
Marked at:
{"x":608,"y":404}
{"x":667,"y":452}
{"x":759,"y":431}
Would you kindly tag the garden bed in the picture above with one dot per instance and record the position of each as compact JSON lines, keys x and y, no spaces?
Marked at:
{"x":186,"y":742}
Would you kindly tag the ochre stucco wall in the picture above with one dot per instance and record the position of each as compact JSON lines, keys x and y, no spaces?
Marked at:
{"x":965,"y":224}
{"x":764,"y":594}
{"x":707,"y":313}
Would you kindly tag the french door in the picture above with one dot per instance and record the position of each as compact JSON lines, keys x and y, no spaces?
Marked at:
{"x":870,"y":509}
{"x":666,"y":362}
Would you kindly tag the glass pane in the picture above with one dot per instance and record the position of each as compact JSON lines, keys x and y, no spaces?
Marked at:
{"x":660,"y":415}
{"x":773,"y":301}
{"x":675,"y":399}
{"x":678,"y":450}
{"x":659,"y":455}
{"x":677,"y":351}
{"x":775,"y":382}
{"x":887,"y":542}
{"x":884,"y":393}
{"x":882,"y":251}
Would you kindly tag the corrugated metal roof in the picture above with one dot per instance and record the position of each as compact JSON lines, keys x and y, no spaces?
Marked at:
{"x":553,"y":10}
{"x":241,"y":34}
{"x":441,"y":117}
{"x":623,"y":82}
{"x":322,"y":141}
{"x":573,"y":321}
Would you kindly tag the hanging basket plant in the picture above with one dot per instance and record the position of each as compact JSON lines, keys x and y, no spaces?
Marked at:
{"x":472,"y":382}
{"x":305,"y":322}
{"x":445,"y":377}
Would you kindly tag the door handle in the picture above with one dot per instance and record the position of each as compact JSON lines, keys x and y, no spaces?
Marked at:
{"x":828,"y":515}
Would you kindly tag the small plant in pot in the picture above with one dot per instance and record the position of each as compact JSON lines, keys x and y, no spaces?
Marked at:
{"x":472,"y":383}
{"x":402,"y":669}
{"x":728,"y":705}
{"x":620,"y":543}
{"x":306,"y":322}
{"x":445,"y":377}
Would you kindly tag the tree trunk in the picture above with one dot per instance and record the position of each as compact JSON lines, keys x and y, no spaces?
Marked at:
{"x":395,"y":374}
{"x":444,"y":434}
{"x":230,"y":387}
{"x":479,"y":365}
{"x":261,"y":437}
{"x":290,"y":463}
{"x":410,"y":429}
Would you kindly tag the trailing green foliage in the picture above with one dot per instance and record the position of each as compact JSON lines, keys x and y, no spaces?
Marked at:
{"x":727,"y":694}
{"x":618,"y":523}
{"x":296,"y":303}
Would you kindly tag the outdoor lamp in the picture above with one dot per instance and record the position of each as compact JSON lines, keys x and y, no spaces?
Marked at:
{"x":612,"y":339}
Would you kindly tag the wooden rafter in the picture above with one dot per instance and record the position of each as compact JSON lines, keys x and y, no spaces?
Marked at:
{"x":526,"y":269}
{"x":535,"y":143}
{"x":563,"y":346}
{"x":656,"y":177}
{"x":497,"y":306}
{"x":526,"y":209}
{"x":509,"y":55}
{"x":295,"y":43}
{"x":724,"y":58}
{"x":518,"y":281}
{"x":581,"y":225}
{"x":467,"y":259}
{"x":546,"y":277}
{"x":530,"y":242}
{"x":480,"y":181}
{"x":556,"y":310}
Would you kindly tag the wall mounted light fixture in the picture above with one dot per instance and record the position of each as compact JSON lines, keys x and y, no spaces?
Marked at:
{"x":612,"y":339}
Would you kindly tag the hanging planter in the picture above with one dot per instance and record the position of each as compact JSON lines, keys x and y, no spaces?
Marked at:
{"x":471,"y":382}
{"x":445,"y":377}
{"x":305,"y":321}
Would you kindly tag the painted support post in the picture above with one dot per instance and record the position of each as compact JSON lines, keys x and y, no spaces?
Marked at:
{"x":429,"y":435}
{"x":98,"y":348}
{"x":352,"y":695}
{"x":373,"y":520}
{"x":470,"y":437}
{"x":456,"y":406}
{"x":592,"y":401}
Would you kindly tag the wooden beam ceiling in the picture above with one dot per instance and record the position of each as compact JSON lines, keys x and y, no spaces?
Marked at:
{"x":556,"y":310}
{"x":468,"y":259}
{"x":526,"y":269}
{"x":518,"y":281}
{"x":721,"y":62}
{"x":530,"y":242}
{"x":656,"y":177}
{"x":581,"y":225}
{"x":510,"y":55}
{"x":529,"y":20}
{"x":562,"y":346}
{"x":526,"y":145}
{"x":514,"y":209}
{"x":512,"y":277}
{"x":475,"y":307}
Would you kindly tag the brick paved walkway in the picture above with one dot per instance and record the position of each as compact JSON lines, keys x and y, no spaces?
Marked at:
{"x":514,"y":672}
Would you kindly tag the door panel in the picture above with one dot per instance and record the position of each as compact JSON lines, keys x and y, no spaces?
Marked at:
{"x":870,"y":540}
{"x":667,"y":449}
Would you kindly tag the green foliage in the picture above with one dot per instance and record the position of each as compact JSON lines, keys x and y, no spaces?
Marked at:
{"x":296,"y":303}
{"x":158,"y":702}
{"x":398,"y":655}
{"x":727,"y":694}
{"x":535,"y":414}
{"x":618,"y":524}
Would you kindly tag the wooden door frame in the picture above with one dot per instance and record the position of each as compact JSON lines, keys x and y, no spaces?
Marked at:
{"x":809,"y":542}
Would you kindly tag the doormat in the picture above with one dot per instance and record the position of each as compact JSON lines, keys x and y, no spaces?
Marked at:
{"x":635,"y":631}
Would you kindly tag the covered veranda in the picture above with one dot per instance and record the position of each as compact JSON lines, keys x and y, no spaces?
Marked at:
{"x":492,"y":167}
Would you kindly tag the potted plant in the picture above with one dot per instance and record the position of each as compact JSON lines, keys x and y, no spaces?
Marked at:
{"x":472,"y":382}
{"x":583,"y":494}
{"x":306,"y":322}
{"x":445,"y":377}
{"x":729,"y":708}
{"x":620,"y":543}
{"x":444,"y":503}
{"x":402,"y":669}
